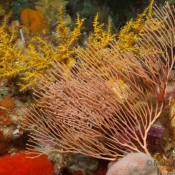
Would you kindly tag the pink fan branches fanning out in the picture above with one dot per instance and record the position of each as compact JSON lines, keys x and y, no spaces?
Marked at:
{"x":105,"y":106}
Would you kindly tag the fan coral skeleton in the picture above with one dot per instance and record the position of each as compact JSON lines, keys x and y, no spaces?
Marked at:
{"x":106,"y":106}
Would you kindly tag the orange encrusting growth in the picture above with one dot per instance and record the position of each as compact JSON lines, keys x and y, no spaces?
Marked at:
{"x":35,"y":20}
{"x":19,"y":164}
{"x":8,"y":103}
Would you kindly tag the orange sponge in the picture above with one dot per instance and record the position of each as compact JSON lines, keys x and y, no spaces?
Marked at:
{"x":19,"y":164}
{"x":35,"y":20}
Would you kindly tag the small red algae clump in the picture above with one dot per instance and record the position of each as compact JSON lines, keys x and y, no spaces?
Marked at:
{"x":19,"y":164}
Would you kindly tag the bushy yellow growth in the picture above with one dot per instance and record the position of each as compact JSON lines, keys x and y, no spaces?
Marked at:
{"x":33,"y":63}
{"x":26,"y":63}
{"x":98,"y":40}
{"x":50,"y":9}
{"x":67,"y":39}
{"x":2,"y":11}
{"x":100,"y":37}
{"x":8,"y":50}
{"x":131,"y":32}
{"x":29,"y":62}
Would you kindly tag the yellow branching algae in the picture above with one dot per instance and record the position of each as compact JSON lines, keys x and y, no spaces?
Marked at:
{"x":67,"y":39}
{"x":131,"y":32}
{"x":101,"y":37}
{"x":50,"y":7}
{"x":32,"y":60}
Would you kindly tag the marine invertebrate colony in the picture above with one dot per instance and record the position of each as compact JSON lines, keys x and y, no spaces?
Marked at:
{"x":35,"y":20}
{"x":28,"y":59}
{"x":21,"y":164}
{"x":106,"y":106}
{"x":130,"y":33}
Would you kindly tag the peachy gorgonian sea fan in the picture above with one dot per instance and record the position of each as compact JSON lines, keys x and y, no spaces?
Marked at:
{"x":107,"y":104}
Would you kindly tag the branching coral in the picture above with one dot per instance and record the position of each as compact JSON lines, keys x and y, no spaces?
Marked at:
{"x":28,"y":65}
{"x":130,"y":33}
{"x":30,"y":62}
{"x":86,"y":112}
{"x":50,"y":8}
{"x":67,"y":39}
{"x":100,"y":37}
{"x":7,"y":48}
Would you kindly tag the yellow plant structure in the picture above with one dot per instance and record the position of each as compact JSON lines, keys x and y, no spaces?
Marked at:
{"x":34,"y":62}
{"x":100,"y":37}
{"x":27,"y":65}
{"x":2,"y":11}
{"x":131,"y":32}
{"x":50,"y":9}
{"x":29,"y":62}
{"x":8,"y":50}
{"x":67,"y":39}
